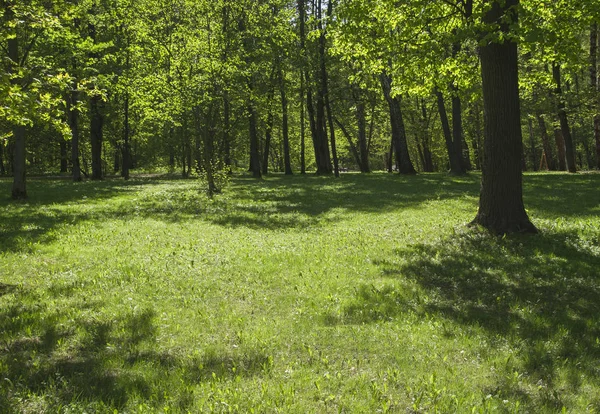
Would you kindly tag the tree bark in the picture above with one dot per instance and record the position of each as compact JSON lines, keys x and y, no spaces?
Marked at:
{"x":532,"y":152}
{"x":362,"y":134}
{"x":284,"y":124}
{"x":405,"y":165}
{"x":2,"y":168}
{"x":96,"y":124}
{"x":560,"y":149}
{"x":74,"y":125}
{"x":126,"y":152}
{"x":501,"y":208}
{"x":548,"y":153}
{"x":19,"y":187}
{"x":594,"y":86}
{"x":564,"y":122}
{"x":453,"y":154}
{"x":254,"y":151}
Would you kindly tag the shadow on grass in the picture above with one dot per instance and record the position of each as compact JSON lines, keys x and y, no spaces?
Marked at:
{"x":540,"y":293}
{"x":50,"y":361}
{"x":276,"y":203}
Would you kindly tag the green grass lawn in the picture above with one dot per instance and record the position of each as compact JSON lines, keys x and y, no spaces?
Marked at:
{"x":298,"y":295}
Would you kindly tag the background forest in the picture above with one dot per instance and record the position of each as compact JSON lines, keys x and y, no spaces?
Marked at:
{"x":93,"y":88}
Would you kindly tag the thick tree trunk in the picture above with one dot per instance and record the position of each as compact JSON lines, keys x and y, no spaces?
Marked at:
{"x":564,"y":122}
{"x":453,"y":154}
{"x":96,"y":124}
{"x":501,"y":208}
{"x":548,"y":153}
{"x":405,"y":165}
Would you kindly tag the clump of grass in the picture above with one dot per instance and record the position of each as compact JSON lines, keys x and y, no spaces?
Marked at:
{"x":297,"y":294}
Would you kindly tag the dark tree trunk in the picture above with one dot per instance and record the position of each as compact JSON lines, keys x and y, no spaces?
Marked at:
{"x":405,"y":165}
{"x":548,"y":153}
{"x":284,"y":124}
{"x":501,"y":208}
{"x":560,"y":149}
{"x":19,"y":187}
{"x":96,"y":123}
{"x":351,"y":144}
{"x":478,"y":137}
{"x":74,"y":125}
{"x":564,"y":122}
{"x":269,"y":126}
{"x":302,"y":127}
{"x":425,"y":142}
{"x":64,"y":156}
{"x":594,"y":86}
{"x":453,"y":154}
{"x":2,"y":168}
{"x":325,"y":81}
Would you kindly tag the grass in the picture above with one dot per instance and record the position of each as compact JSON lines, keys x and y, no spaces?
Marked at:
{"x":298,"y":294}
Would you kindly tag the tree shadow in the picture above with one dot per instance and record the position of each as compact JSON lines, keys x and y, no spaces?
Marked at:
{"x":540,"y":293}
{"x":50,"y":361}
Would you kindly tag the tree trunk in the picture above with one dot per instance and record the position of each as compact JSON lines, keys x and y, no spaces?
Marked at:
{"x":564,"y":122}
{"x":96,"y":123}
{"x":561,"y":150}
{"x":353,"y":148}
{"x":362,"y":135}
{"x":74,"y":125}
{"x":548,"y":153}
{"x":532,"y":152}
{"x":405,"y":165}
{"x":254,"y":151}
{"x":325,"y":80}
{"x":64,"y":157}
{"x":453,"y":154}
{"x":460,"y":146}
{"x":2,"y":168}
{"x":269,"y":126}
{"x":284,"y":124}
{"x":594,"y":86}
{"x":501,"y":208}
{"x":126,"y":156}
{"x":19,"y":187}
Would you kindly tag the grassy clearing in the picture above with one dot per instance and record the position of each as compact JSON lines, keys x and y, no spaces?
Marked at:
{"x":302,"y":294}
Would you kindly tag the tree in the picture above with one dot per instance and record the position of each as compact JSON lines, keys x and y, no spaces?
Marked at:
{"x":501,"y":208}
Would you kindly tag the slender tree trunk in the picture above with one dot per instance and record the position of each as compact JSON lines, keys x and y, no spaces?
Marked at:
{"x":325,"y":80}
{"x":126,"y":156}
{"x":405,"y":165}
{"x":501,"y":208}
{"x":564,"y":122}
{"x":2,"y":168}
{"x":96,"y":123}
{"x":427,"y":158}
{"x":453,"y":155}
{"x":353,"y":148}
{"x":362,"y":135}
{"x":254,"y":151}
{"x":64,"y":157}
{"x":226,"y":131}
{"x":284,"y":124}
{"x":302,"y":127}
{"x":19,"y":187}
{"x":533,"y":152}
{"x":269,"y":126}
{"x":457,"y":134}
{"x":548,"y":153}
{"x":594,"y":86}
{"x":74,"y":125}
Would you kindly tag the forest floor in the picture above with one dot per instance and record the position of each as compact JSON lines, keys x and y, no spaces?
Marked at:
{"x":298,"y":295}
